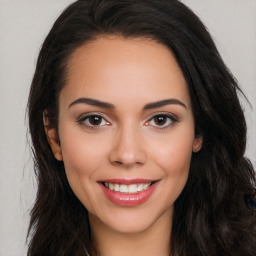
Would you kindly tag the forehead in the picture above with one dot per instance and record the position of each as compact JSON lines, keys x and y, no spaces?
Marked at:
{"x":136,"y":68}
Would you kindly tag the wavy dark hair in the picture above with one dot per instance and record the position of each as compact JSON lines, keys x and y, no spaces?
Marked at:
{"x":211,"y":216}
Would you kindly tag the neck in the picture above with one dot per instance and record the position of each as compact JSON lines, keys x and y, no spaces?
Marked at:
{"x":155,"y":240}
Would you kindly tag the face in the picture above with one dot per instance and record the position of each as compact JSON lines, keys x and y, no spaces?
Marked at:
{"x":126,"y":131}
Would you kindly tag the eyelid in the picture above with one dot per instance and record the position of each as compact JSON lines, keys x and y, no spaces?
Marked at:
{"x":86,"y":114}
{"x":81,"y":118}
{"x":173,"y":117}
{"x":168,"y":114}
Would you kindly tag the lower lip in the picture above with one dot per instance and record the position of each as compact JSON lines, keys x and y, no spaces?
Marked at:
{"x":128,"y":199}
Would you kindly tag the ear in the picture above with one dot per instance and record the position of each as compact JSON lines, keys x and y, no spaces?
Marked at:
{"x":197,"y":144}
{"x":52,"y":137}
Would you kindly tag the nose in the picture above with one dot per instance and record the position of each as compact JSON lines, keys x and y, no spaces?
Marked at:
{"x":128,"y":149}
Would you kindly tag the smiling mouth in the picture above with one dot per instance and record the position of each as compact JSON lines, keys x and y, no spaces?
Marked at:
{"x":128,"y":192}
{"x":127,"y":188}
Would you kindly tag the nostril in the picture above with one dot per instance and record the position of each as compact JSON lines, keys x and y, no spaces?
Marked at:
{"x":117,"y":163}
{"x":120,"y":163}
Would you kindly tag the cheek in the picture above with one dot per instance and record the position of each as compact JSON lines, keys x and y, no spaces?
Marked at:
{"x":174,"y":159}
{"x":174,"y":153}
{"x":83,"y":155}
{"x":173,"y":156}
{"x":81,"y":152}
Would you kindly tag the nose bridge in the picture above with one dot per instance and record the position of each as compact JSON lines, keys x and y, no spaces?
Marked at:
{"x":128,"y":147}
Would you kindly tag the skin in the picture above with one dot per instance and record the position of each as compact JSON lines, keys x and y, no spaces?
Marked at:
{"x":128,"y":143}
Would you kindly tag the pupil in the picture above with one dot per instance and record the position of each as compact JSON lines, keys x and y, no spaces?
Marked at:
{"x":95,"y":120}
{"x":160,"y":120}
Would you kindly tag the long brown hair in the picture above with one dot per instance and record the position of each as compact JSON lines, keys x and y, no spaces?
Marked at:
{"x":210,"y":216}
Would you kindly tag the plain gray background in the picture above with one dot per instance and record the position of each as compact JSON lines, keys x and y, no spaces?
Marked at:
{"x":23,"y":26}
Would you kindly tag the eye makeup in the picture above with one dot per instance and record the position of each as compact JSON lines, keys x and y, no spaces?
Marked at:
{"x":93,"y":121}
{"x":96,"y":121}
{"x":162,"y":121}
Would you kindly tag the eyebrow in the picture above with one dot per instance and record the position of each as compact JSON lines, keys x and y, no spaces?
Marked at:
{"x":92,"y":102}
{"x":102,"y":104}
{"x":162,"y":103}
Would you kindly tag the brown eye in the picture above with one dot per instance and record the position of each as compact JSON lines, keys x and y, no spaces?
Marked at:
{"x":162,"y":121}
{"x":94,"y":120}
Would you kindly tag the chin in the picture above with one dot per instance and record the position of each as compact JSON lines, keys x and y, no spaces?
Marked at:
{"x":133,"y":220}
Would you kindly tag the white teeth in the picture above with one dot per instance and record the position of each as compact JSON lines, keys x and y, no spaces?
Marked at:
{"x":145,"y":186}
{"x":132,"y":188}
{"x":124,"y":188}
{"x":140,"y":187}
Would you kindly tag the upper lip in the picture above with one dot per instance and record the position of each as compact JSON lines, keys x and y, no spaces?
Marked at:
{"x":127,"y":181}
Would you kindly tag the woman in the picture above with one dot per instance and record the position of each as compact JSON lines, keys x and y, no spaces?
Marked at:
{"x":137,"y":148}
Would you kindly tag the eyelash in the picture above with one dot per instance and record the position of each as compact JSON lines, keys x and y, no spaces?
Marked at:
{"x":82,"y":121}
{"x":172,"y":120}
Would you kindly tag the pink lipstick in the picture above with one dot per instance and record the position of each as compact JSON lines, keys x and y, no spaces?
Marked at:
{"x":128,"y":192}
